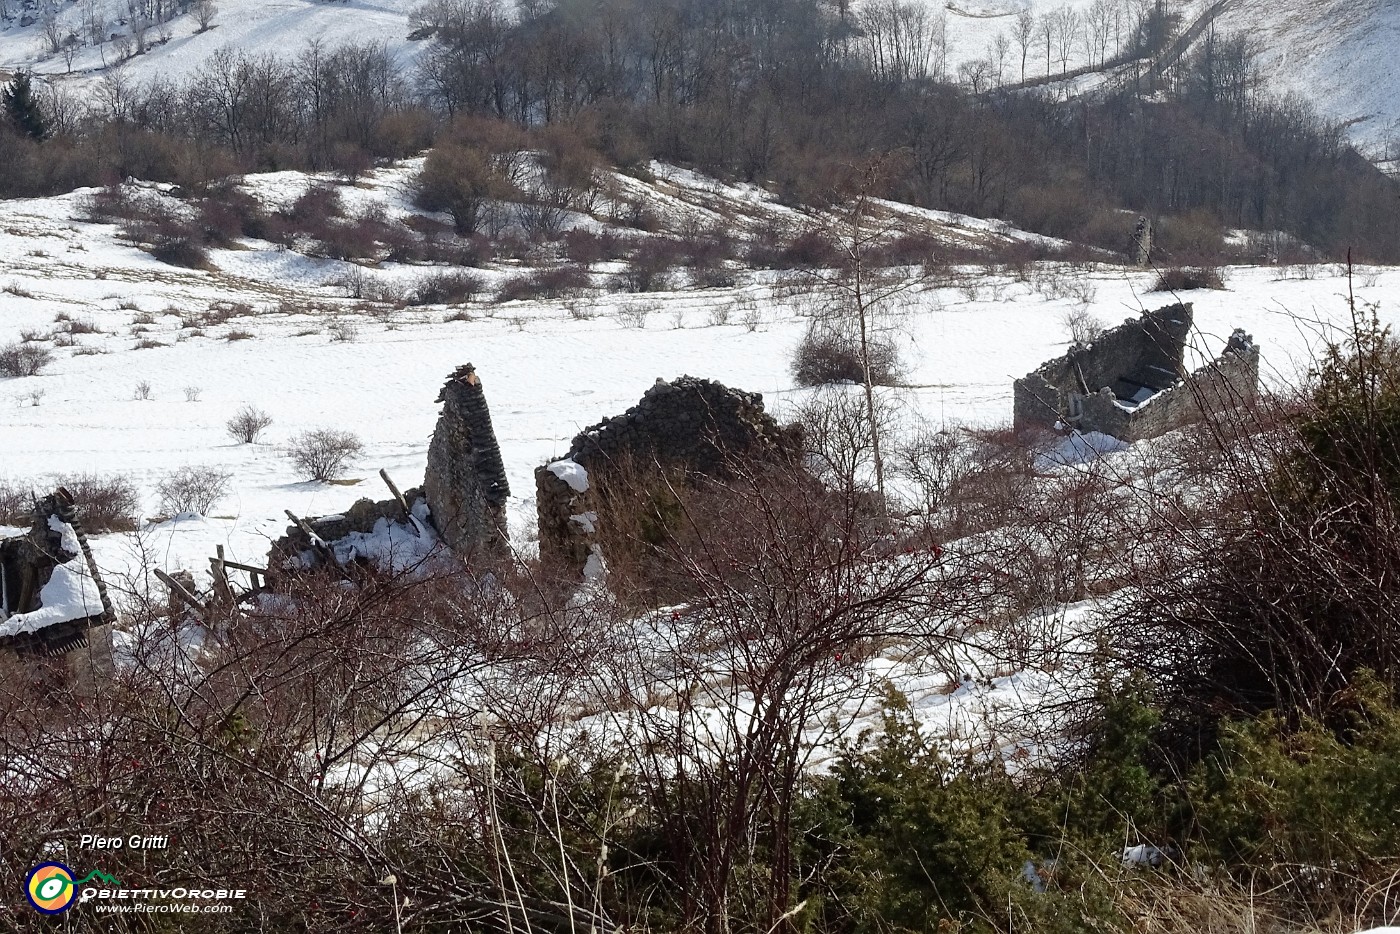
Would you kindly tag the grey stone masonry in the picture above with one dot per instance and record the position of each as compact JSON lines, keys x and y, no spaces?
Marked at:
{"x":1131,"y":383}
{"x":466,"y":484}
{"x":695,"y":424}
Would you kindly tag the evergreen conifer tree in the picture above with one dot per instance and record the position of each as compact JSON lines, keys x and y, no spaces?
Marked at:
{"x":22,"y":109}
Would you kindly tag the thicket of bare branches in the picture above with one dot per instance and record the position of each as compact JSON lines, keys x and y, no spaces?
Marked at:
{"x":1286,"y":590}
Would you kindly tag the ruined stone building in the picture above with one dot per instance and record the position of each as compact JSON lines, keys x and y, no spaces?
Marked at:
{"x":1131,"y":382}
{"x":463,"y":499}
{"x":51,"y":593}
{"x":697,"y":425}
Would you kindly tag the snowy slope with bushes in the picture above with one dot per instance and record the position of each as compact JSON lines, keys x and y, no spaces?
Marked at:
{"x":275,"y":328}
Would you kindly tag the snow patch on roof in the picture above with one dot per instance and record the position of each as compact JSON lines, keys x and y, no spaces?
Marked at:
{"x":71,"y":594}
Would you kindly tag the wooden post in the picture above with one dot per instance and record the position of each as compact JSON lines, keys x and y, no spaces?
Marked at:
{"x":222,"y":591}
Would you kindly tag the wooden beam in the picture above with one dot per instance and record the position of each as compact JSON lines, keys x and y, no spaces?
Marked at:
{"x":238,"y":566}
{"x":403,"y":503}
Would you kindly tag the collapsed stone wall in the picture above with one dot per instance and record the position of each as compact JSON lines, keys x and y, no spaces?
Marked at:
{"x":695,"y":424}
{"x":464,"y":489}
{"x":1146,"y":350}
{"x":295,"y":550}
{"x":1129,"y":383}
{"x":1230,"y":380}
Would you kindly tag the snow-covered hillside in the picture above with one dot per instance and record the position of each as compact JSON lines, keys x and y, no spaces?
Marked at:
{"x":256,"y":27}
{"x":1338,"y":54}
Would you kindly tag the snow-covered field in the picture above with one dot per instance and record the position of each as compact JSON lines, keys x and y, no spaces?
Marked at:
{"x":549,"y":368}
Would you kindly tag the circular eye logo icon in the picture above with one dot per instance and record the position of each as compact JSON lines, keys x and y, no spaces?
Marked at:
{"x":50,"y":888}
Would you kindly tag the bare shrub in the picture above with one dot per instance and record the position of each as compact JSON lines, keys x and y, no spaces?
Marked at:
{"x":323,"y":454}
{"x":1082,"y":327}
{"x":85,"y":325}
{"x":192,"y":489}
{"x":465,"y":181}
{"x":142,"y":391}
{"x":192,"y":393}
{"x":16,"y":503}
{"x":248,"y":424}
{"x":559,"y":282}
{"x":635,"y":316}
{"x":23,"y":359}
{"x":720,"y":313}
{"x":650,"y":266}
{"x":1185,"y":279}
{"x":238,"y":334}
{"x":586,"y":247}
{"x":828,"y":354}
{"x":443,"y":288}
{"x":837,"y":436}
{"x":167,"y":236}
{"x":932,"y":461}
{"x":342,"y":331}
{"x":102,"y":502}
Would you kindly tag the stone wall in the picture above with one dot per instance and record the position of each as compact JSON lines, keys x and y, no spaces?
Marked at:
{"x":695,"y":424}
{"x":466,"y":483}
{"x":1084,"y":387}
{"x":1230,"y":380}
{"x":1146,"y":350}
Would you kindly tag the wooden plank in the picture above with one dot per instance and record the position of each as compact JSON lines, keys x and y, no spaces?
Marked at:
{"x":239,"y":566}
{"x":317,"y":541}
{"x":398,"y":497}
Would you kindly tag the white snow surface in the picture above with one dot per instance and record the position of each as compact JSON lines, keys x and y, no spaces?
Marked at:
{"x":572,"y":473}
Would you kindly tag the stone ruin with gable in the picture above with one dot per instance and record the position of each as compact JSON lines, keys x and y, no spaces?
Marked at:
{"x":461,"y":502}
{"x":1131,"y":381}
